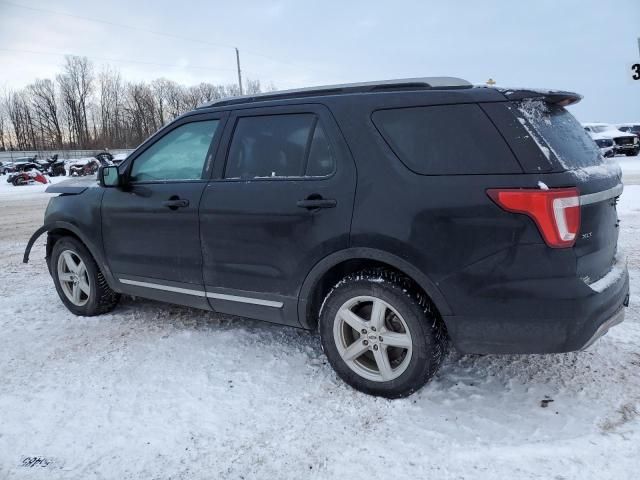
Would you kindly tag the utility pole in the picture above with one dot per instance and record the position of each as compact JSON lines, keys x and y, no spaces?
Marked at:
{"x":239,"y":72}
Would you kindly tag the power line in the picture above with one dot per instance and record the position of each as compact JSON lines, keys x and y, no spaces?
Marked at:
{"x":105,"y":59}
{"x":114,"y":24}
{"x":153,"y":32}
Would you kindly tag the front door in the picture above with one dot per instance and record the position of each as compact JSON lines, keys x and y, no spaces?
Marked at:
{"x":281,"y":200}
{"x":150,"y":226}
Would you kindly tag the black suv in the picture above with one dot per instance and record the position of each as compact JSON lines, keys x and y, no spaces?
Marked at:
{"x":393,"y":216}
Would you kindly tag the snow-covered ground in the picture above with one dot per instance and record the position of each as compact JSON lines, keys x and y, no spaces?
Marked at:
{"x":630,"y":169}
{"x":160,"y":391}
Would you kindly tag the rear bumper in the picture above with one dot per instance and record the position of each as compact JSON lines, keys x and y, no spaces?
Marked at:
{"x":558,"y":316}
{"x":612,"y":321}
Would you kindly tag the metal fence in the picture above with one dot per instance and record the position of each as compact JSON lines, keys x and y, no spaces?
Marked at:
{"x":66,"y":154}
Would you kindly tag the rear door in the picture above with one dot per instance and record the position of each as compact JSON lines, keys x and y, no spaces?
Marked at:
{"x":281,"y":200}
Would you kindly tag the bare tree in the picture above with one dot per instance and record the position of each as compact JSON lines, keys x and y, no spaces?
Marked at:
{"x":253,"y":87}
{"x":140,"y":108}
{"x":111,"y":98}
{"x":160,"y":89}
{"x":3,"y":129}
{"x":76,"y":84}
{"x":21,"y":119}
{"x":44,"y":103}
{"x":83,"y":110}
{"x":175,"y":99}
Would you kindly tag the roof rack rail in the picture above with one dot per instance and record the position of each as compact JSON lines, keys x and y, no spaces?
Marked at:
{"x":361,"y":87}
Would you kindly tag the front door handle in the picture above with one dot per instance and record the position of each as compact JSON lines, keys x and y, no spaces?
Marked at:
{"x":314,"y":203}
{"x":175,"y":202}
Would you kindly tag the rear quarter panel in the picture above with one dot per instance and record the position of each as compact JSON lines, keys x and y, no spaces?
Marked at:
{"x":446,"y":226}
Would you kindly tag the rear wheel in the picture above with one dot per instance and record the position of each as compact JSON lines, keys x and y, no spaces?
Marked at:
{"x":80,"y":284}
{"x":379,"y":338}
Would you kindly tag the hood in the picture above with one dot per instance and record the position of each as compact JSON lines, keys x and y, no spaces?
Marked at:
{"x":611,"y":133}
{"x":602,"y":135}
{"x":73,"y":186}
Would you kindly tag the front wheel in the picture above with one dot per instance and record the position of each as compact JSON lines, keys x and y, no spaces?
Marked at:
{"x":379,"y":338}
{"x":80,"y":284}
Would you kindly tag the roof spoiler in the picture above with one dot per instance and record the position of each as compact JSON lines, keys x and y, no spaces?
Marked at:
{"x":557,"y":97}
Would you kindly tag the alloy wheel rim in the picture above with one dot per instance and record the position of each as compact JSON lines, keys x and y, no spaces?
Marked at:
{"x":372,"y":338}
{"x":73,"y":278}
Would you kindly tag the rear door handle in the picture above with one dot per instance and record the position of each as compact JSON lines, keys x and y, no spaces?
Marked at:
{"x":175,"y":203}
{"x":313,"y":203}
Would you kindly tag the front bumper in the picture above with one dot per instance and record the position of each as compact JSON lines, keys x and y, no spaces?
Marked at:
{"x":632,"y":147}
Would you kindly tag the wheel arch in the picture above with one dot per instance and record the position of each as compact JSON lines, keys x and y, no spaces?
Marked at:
{"x":328,"y":271}
{"x":60,"y":229}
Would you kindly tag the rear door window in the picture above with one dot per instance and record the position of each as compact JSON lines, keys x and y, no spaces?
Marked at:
{"x":277,"y":146}
{"x":446,"y":140}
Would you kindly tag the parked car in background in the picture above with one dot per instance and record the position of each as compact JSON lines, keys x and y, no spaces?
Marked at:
{"x":630,"y":128}
{"x":623,"y":142}
{"x":6,"y":168}
{"x":26,"y":166}
{"x":17,"y":164}
{"x":252,"y":206}
{"x":606,"y":145}
{"x":119,"y":158}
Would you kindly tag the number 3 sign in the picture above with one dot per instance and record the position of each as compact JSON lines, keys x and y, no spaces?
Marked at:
{"x":635,"y":68}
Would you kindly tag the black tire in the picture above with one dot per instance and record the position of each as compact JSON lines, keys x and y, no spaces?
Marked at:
{"x":17,"y":181}
{"x":428,"y":335}
{"x":101,"y":299}
{"x":632,"y":154}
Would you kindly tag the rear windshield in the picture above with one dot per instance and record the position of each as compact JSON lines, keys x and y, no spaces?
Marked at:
{"x":446,"y":140}
{"x":557,"y":131}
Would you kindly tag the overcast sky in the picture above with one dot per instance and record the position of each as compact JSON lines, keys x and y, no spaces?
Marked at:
{"x":584,"y":46}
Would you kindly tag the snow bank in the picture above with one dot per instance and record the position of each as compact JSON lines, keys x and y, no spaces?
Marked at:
{"x":161,"y":391}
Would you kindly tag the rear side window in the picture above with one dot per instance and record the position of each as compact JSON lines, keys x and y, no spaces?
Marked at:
{"x":446,"y":140}
{"x":557,"y":131}
{"x":293,"y":145}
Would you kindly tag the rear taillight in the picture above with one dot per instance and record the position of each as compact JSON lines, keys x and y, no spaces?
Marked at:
{"x":556,"y":211}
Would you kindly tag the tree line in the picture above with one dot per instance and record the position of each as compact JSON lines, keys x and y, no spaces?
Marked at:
{"x":87,"y":109}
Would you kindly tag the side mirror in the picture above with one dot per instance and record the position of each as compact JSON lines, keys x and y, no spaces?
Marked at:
{"x":109,"y":176}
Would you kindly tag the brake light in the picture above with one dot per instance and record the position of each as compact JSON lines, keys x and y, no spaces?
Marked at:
{"x":556,"y":211}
